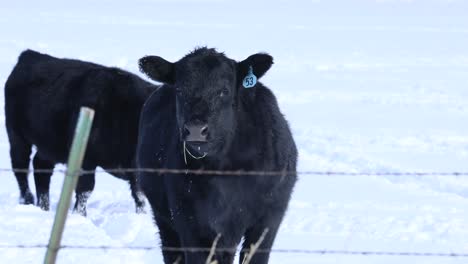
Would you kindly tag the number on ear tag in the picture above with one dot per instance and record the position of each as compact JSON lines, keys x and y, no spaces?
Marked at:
{"x":250,"y":79}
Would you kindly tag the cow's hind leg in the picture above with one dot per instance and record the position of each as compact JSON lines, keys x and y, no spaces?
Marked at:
{"x":42,"y":173}
{"x":84,"y":189}
{"x":20,"y":152}
{"x":137,"y":194}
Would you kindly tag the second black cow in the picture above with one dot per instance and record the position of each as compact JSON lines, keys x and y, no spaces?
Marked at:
{"x":43,"y":95}
{"x":212,"y":114}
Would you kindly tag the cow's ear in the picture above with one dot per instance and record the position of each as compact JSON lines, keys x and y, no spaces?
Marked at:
{"x":260,"y":63}
{"x":158,"y":69}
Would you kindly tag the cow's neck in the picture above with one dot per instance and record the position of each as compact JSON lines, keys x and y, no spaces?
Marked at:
{"x":249,"y":141}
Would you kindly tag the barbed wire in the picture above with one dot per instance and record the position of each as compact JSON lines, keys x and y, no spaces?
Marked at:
{"x":244,"y":173}
{"x":231,"y":250}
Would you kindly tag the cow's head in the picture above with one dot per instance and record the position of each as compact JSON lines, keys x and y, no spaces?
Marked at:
{"x":209,"y":91}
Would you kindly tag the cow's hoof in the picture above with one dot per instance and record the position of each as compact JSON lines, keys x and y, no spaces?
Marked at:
{"x":28,"y":198}
{"x":43,"y":202}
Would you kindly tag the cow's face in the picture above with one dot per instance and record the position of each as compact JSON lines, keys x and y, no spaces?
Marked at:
{"x":208,"y":93}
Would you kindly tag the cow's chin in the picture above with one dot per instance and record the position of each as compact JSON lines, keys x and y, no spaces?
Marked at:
{"x":197,"y":149}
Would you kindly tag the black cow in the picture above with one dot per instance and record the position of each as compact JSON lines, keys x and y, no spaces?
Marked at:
{"x":43,"y":96}
{"x":203,"y":118}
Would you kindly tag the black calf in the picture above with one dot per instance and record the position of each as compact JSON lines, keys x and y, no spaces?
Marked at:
{"x":212,"y":114}
{"x":43,"y":96}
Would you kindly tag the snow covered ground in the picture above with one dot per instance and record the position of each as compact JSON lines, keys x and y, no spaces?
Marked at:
{"x":366,"y":85}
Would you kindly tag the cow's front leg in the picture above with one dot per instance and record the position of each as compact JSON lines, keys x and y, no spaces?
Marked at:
{"x":198,"y":241}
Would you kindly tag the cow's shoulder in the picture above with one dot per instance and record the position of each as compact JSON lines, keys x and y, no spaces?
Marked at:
{"x":273,"y":123}
{"x":157,"y":127}
{"x":158,"y":115}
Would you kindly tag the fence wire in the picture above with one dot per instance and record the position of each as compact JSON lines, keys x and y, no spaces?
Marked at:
{"x":230,"y":250}
{"x":245,"y":173}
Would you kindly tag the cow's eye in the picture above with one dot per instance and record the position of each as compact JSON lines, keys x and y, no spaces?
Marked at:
{"x":224,"y":92}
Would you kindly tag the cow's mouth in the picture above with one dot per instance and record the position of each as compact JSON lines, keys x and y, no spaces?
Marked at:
{"x":195,"y":150}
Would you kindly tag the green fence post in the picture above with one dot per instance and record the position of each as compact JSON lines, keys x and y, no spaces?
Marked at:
{"x":75,"y":159}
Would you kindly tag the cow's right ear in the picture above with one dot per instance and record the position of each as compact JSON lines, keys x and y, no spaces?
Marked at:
{"x":158,"y":69}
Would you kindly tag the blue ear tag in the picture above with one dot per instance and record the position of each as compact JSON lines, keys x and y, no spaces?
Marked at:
{"x":250,"y":79}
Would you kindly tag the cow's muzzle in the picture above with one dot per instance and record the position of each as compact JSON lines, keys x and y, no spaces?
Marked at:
{"x":194,"y":150}
{"x":195,"y":141}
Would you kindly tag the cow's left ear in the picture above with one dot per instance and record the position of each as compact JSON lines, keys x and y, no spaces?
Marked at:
{"x":158,"y":69}
{"x":260,"y":63}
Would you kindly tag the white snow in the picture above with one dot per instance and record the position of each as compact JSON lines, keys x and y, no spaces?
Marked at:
{"x":366,"y":85}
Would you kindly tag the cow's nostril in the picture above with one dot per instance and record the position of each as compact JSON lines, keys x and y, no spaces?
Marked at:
{"x":204,"y":131}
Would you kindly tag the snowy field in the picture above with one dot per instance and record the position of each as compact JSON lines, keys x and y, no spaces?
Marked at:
{"x":375,"y":86}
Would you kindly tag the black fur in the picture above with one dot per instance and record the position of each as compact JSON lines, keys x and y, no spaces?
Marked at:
{"x":246,"y":132}
{"x":43,"y":96}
